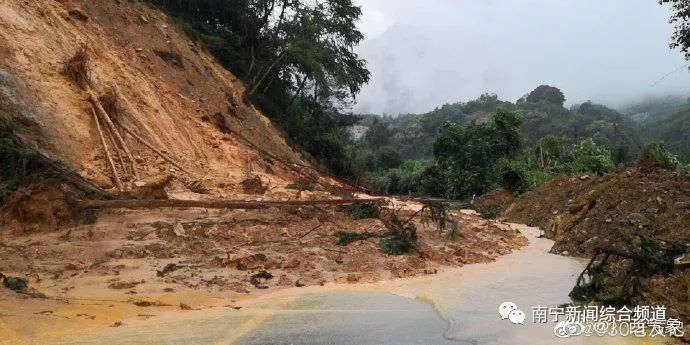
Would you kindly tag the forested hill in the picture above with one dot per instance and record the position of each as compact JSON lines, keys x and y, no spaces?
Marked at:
{"x":542,"y":112}
{"x":665,"y":119}
{"x":467,"y":148}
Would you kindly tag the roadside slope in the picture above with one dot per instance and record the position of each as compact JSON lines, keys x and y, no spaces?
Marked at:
{"x":169,"y":90}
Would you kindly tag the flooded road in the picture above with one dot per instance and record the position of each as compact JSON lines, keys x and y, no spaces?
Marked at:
{"x":457,"y":306}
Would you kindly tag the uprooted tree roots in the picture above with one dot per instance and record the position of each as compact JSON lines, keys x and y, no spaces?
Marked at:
{"x":77,"y":69}
{"x":107,"y":113}
{"x":614,"y":276}
{"x":400,"y":236}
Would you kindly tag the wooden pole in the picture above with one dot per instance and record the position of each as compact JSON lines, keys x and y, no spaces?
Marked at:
{"x":111,"y":126}
{"x":220,"y":204}
{"x":107,"y":152}
{"x":153,"y":148}
{"x":120,"y":155}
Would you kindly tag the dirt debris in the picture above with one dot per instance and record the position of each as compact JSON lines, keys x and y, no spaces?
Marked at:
{"x":637,"y":207}
{"x":173,"y":95}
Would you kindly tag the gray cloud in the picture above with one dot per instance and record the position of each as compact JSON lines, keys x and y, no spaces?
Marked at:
{"x":426,"y":53}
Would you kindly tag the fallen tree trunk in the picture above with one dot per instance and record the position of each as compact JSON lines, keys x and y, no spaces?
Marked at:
{"x":116,"y":177}
{"x":226,"y":204}
{"x":106,"y":118}
{"x":154,"y":149}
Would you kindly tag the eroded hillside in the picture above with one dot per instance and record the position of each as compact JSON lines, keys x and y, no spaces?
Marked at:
{"x":169,"y":91}
{"x":70,"y":68}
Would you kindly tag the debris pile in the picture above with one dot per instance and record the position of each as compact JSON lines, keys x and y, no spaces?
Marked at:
{"x":627,"y":220}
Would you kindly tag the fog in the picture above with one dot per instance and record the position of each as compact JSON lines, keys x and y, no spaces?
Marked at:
{"x":423,"y":54}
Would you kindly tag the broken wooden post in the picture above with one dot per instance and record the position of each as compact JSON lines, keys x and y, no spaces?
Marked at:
{"x":221,"y":204}
{"x":116,"y":177}
{"x":106,"y":118}
{"x":153,"y":148}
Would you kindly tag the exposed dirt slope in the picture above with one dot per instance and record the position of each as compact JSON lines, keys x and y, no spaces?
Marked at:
{"x":585,"y":211}
{"x":170,"y":90}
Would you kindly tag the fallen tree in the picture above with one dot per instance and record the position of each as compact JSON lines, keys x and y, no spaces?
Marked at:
{"x":225,"y":204}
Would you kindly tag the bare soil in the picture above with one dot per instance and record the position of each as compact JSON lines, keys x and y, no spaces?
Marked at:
{"x":584,"y":212}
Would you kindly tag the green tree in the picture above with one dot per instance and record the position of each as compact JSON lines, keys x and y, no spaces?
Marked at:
{"x":379,"y":134}
{"x":469,"y":157}
{"x":680,"y":17}
{"x":388,"y":158}
{"x":296,"y":57}
{"x":548,"y":94}
{"x":590,"y":157}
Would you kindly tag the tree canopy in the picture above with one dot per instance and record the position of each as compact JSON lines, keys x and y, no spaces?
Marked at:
{"x":295,"y":56}
{"x":680,"y":18}
{"x":548,"y":94}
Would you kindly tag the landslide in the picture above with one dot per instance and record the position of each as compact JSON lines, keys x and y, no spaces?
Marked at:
{"x":88,"y":268}
{"x":584,"y":211}
{"x":168,"y":90}
{"x":640,"y":209}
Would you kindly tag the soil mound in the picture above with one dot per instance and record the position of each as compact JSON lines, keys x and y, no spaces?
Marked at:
{"x":639,"y":212}
{"x":585,"y":211}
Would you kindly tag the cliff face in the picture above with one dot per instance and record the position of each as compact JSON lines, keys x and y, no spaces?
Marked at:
{"x":169,"y":91}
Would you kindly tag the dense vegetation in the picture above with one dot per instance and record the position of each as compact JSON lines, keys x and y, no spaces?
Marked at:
{"x":297,"y":59}
{"x":468,"y":148}
{"x":665,"y":119}
{"x":18,"y":163}
{"x":298,"y":62}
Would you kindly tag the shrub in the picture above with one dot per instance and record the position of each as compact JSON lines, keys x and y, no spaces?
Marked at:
{"x":347,"y":237}
{"x":18,"y":163}
{"x":659,"y":151}
{"x":363,"y":211}
{"x":490,"y":212}
{"x":514,"y":176}
{"x":590,"y":157}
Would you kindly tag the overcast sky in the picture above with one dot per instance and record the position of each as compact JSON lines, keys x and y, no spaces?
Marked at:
{"x":423,"y":54}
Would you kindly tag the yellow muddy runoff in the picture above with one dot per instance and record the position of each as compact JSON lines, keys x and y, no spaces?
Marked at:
{"x":456,"y":306}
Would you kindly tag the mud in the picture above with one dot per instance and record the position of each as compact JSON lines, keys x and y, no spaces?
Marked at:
{"x":156,"y":258}
{"x":584,"y":212}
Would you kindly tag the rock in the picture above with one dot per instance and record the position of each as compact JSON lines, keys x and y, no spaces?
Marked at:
{"x":292,"y":263}
{"x":584,"y":177}
{"x":138,"y":50}
{"x":78,"y":14}
{"x":638,"y":219}
{"x":15,"y":283}
{"x":139,"y":183}
{"x":565,"y":252}
{"x":609,"y":220}
{"x":253,"y":185}
{"x":260,"y":279}
{"x":178,"y":229}
{"x":253,"y":262}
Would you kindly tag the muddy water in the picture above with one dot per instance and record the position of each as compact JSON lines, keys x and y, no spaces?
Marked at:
{"x":458,"y":306}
